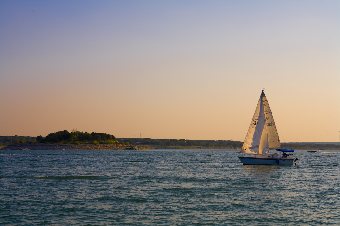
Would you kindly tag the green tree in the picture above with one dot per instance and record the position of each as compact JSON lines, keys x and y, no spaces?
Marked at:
{"x":97,"y":137}
{"x":110,"y":141}
{"x":40,"y":138}
{"x":33,"y":141}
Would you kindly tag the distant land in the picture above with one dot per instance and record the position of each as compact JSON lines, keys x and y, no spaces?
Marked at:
{"x":75,"y":140}
{"x":64,"y":140}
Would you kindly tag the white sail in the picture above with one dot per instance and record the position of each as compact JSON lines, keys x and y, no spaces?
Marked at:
{"x":262,"y":133}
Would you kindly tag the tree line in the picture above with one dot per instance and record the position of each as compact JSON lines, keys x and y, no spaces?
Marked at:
{"x":77,"y":137}
{"x":183,"y":143}
{"x":312,"y":146}
{"x":6,"y":140}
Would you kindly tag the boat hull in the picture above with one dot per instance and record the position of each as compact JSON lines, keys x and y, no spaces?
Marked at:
{"x":266,"y":161}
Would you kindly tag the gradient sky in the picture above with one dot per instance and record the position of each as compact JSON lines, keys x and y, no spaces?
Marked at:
{"x":170,"y":69}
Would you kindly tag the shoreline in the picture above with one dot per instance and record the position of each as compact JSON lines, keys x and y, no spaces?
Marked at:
{"x":70,"y":147}
{"x":118,"y":147}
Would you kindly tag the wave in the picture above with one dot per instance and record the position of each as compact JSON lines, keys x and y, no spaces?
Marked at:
{"x":79,"y":177}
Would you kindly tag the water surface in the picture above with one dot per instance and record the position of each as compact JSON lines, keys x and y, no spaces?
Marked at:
{"x":166,"y":187}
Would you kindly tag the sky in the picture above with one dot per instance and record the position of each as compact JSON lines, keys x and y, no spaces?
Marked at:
{"x":190,"y":69}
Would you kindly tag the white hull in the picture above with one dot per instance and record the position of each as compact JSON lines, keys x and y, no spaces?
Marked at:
{"x":266,"y":160}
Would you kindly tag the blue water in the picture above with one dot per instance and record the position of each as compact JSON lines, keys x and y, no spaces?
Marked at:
{"x":166,"y":187}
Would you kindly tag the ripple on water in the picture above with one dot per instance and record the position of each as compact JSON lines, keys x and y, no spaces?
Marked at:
{"x":165,"y":187}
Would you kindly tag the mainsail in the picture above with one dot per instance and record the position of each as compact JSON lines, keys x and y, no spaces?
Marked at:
{"x":262,"y":133}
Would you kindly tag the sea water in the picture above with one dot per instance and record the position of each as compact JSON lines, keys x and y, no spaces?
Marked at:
{"x":166,"y":187}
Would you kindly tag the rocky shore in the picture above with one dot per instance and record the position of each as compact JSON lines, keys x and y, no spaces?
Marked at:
{"x":73,"y":147}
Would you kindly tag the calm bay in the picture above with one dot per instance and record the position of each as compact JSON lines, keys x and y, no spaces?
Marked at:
{"x":166,"y":187}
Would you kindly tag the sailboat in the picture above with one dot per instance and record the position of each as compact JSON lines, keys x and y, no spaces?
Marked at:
{"x":262,"y":136}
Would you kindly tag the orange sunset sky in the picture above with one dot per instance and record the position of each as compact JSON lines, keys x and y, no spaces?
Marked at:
{"x":170,"y":69}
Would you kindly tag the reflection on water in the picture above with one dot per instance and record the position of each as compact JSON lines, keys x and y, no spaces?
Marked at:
{"x":261,"y":169}
{"x":166,"y":187}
